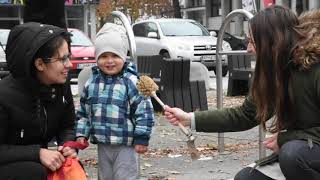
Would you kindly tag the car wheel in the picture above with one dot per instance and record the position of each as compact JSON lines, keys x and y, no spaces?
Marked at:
{"x":224,"y":70}
{"x":212,"y":69}
{"x":165,"y":54}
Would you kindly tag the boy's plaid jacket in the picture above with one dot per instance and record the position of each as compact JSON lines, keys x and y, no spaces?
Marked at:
{"x":112,"y":111}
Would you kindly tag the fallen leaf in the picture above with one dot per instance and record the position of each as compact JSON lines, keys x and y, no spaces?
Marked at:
{"x":147,"y":165}
{"x":174,"y":172}
{"x":205,"y":158}
{"x":174,"y":155}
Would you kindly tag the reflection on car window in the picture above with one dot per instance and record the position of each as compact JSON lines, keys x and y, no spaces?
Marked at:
{"x":143,"y":29}
{"x":139,"y":30}
{"x":183,"y":28}
{"x":79,"y":39}
{"x":151,"y":27}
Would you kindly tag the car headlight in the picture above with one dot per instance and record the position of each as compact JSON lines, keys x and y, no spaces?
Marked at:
{"x":182,"y":47}
{"x":226,"y":46}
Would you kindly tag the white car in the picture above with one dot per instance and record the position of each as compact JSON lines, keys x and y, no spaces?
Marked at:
{"x":178,"y":38}
{"x":4,"y":33}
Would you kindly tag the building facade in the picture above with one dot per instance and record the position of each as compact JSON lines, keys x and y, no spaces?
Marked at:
{"x":211,"y":13}
{"x":78,"y":15}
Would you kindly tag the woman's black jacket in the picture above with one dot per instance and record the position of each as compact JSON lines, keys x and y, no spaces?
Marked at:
{"x":31,"y":113}
{"x":29,"y":120}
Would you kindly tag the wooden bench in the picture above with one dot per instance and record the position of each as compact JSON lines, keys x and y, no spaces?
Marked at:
{"x":150,"y":66}
{"x":177,"y":90}
{"x":240,"y":74}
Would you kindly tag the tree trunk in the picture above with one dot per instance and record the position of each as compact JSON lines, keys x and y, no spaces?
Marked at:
{"x":176,"y":9}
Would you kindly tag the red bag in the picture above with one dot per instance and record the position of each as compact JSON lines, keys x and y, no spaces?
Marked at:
{"x":71,"y":169}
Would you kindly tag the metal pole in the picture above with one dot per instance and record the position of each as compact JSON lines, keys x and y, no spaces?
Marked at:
{"x":93,"y":28}
{"x":223,"y":27}
{"x":255,"y":6}
{"x":262,"y":149}
{"x":85,"y":19}
{"x":127,"y":26}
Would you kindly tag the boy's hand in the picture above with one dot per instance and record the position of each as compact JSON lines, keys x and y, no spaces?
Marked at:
{"x":68,"y":151}
{"x":82,"y":140}
{"x":140,"y":148}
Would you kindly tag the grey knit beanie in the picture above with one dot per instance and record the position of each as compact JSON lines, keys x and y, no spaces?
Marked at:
{"x":111,"y":38}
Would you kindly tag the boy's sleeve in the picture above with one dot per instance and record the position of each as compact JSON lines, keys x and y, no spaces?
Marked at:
{"x":83,"y":122}
{"x":143,"y":116}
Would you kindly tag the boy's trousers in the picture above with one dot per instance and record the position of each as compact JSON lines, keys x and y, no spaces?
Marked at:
{"x":117,"y":162}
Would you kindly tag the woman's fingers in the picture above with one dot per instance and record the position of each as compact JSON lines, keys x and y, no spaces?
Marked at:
{"x":272,"y":143}
{"x":58,"y":159}
{"x":51,"y":159}
{"x":56,"y":162}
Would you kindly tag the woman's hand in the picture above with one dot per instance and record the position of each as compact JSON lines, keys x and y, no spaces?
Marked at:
{"x":140,"y":148}
{"x":51,"y":159}
{"x":68,"y":151}
{"x":176,"y":115}
{"x":272,"y":143}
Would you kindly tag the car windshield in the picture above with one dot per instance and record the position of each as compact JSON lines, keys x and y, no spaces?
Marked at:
{"x":4,"y":37}
{"x":79,"y":39}
{"x":183,"y":28}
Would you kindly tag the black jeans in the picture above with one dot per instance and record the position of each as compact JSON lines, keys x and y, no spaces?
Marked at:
{"x":297,"y":161}
{"x":22,"y":171}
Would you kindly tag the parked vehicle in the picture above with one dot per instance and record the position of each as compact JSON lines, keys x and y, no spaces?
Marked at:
{"x":4,"y":33}
{"x":236,"y":43}
{"x":82,"y":51}
{"x":178,"y":38}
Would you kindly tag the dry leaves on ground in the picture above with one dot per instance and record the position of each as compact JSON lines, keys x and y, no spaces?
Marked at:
{"x":208,"y":150}
{"x":228,"y":101}
{"x":89,"y":162}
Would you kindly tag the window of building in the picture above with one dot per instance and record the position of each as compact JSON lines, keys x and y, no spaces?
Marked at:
{"x":215,"y":8}
{"x":301,"y":5}
{"x":196,"y":3}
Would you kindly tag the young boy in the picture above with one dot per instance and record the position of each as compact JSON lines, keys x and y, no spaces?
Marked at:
{"x":112,"y":111}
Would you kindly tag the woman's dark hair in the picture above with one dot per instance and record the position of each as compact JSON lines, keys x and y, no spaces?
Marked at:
{"x":275,"y":37}
{"x":50,"y":48}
